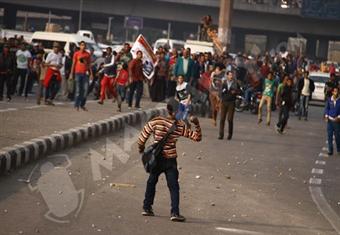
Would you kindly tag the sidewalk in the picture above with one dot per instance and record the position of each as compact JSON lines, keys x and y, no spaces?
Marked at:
{"x":24,"y":121}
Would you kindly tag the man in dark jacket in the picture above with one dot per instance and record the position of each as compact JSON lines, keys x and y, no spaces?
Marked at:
{"x":136,"y":80}
{"x":228,"y":93}
{"x":305,"y":90}
{"x":285,"y":103}
{"x":7,"y":65}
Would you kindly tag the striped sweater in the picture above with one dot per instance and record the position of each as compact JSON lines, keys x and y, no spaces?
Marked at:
{"x":159,"y":126}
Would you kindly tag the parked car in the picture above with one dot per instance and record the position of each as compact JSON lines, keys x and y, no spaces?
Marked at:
{"x":68,"y":41}
{"x":199,"y":46}
{"x":320,"y":80}
{"x":171,"y":43}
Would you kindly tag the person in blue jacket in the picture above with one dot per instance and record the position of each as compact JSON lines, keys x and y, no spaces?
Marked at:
{"x":184,"y":66}
{"x":332,"y":117}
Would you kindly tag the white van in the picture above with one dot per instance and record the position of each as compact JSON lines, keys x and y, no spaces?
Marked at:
{"x":199,"y":46}
{"x":320,"y":80}
{"x":67,"y":41}
{"x":178,"y":44}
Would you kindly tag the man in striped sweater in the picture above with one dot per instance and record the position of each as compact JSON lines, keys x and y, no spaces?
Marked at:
{"x":159,"y":126}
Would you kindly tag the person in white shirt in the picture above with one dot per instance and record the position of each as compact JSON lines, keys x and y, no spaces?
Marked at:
{"x":23,"y":58}
{"x":305,"y":89}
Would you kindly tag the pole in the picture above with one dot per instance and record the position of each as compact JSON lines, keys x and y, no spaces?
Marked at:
{"x":25,"y":22}
{"x":169,"y":30}
{"x":80,"y":13}
{"x":49,"y":17}
{"x":109,"y":29}
{"x":224,"y":24}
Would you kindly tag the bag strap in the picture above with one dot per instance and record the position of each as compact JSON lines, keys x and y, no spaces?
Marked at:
{"x":166,"y":136}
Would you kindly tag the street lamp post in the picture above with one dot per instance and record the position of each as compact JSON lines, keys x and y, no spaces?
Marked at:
{"x":109,"y":28}
{"x":80,"y":13}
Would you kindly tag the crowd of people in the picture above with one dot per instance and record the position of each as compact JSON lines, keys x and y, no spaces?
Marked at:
{"x":214,"y":79}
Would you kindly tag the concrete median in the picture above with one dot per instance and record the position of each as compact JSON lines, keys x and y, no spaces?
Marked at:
{"x":14,"y":157}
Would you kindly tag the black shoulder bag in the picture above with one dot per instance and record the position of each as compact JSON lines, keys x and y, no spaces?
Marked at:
{"x":152,"y":154}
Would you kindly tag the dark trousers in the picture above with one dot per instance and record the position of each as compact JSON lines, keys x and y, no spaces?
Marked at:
{"x":52,"y":89}
{"x":227,"y":108}
{"x":169,"y":168}
{"x":283,"y":117}
{"x":32,"y":77}
{"x":5,"y":78}
{"x":333,"y":128}
{"x":136,"y":86}
{"x":170,"y":88}
{"x":22,"y":74}
{"x":157,"y":89}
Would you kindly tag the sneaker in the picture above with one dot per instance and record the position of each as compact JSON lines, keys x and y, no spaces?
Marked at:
{"x":148,"y":212}
{"x":9,"y":99}
{"x":177,"y":218}
{"x":138,"y":108}
{"x":129,"y":108}
{"x":259,"y":121}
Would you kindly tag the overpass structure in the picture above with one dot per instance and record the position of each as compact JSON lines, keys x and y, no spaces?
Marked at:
{"x":268,"y":20}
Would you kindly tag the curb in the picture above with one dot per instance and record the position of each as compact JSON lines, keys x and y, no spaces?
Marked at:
{"x":18,"y":155}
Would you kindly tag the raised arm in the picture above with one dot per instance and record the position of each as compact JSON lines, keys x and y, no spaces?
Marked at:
{"x":196,"y":134}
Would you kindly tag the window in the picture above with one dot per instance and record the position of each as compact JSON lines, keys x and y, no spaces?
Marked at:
{"x":48,"y":44}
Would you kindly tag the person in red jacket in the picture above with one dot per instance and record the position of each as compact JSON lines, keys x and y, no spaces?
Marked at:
{"x":121,"y":84}
{"x":109,"y":70}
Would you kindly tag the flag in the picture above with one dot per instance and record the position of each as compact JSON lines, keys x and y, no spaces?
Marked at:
{"x":149,"y":58}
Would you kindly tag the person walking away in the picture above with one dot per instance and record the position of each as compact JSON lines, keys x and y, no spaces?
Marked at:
{"x":215,"y":87}
{"x":198,"y":70}
{"x":109,"y":70}
{"x":183,"y":96}
{"x":34,"y":72}
{"x":332,"y":117}
{"x":267,"y":96}
{"x":305,"y":89}
{"x":136,"y":78}
{"x":41,"y":71}
{"x":7,"y":65}
{"x":81,"y":67}
{"x":284,"y":103}
{"x":171,"y":82}
{"x":23,"y":57}
{"x":228,"y":93}
{"x":64,"y":75}
{"x":158,"y":83}
{"x":52,"y":80}
{"x":184,"y":66}
{"x":121,"y":85}
{"x":168,"y":161}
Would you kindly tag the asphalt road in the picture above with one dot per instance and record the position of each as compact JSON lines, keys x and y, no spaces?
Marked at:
{"x":258,"y":183}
